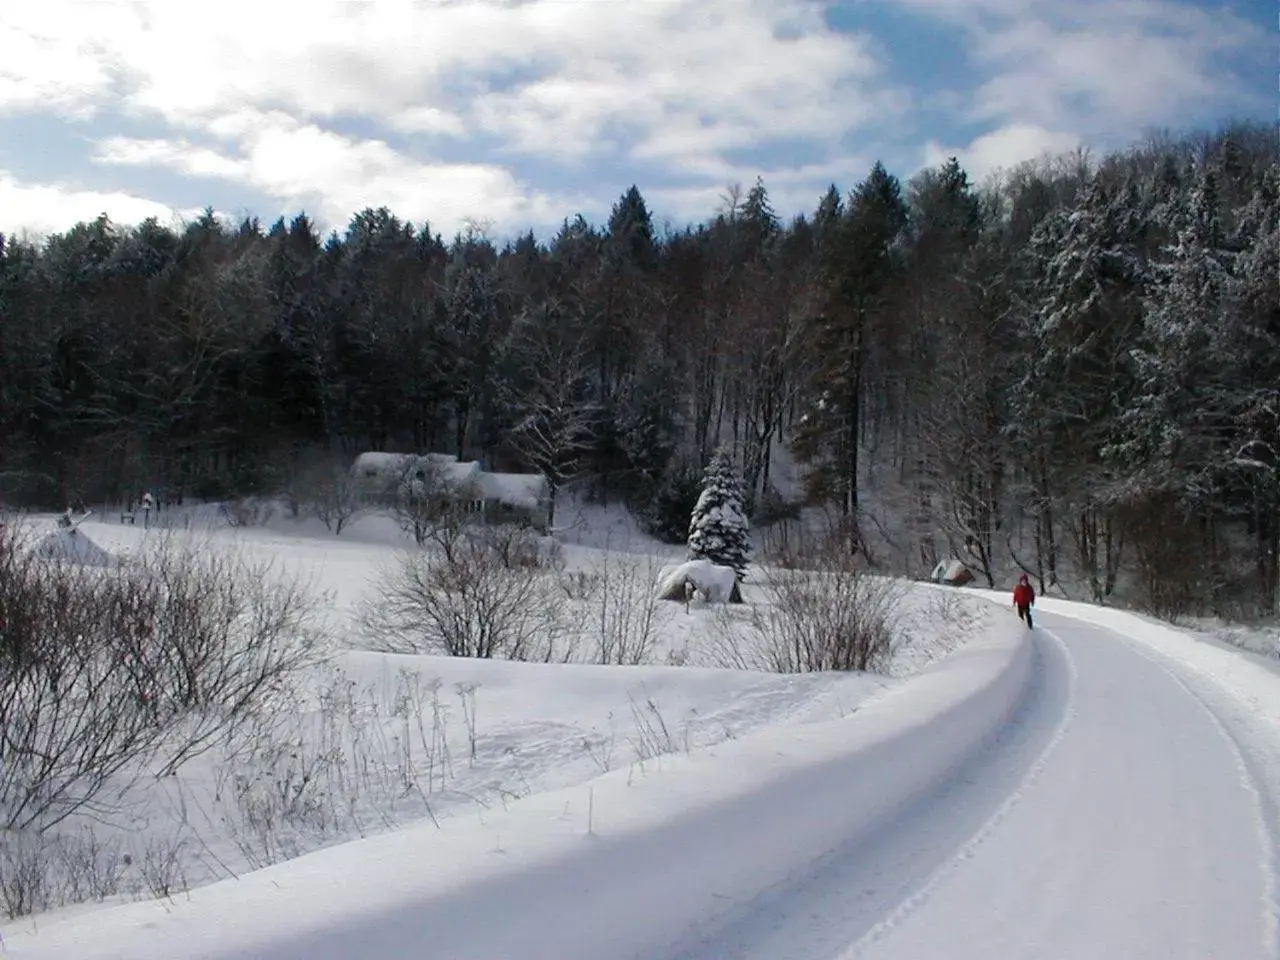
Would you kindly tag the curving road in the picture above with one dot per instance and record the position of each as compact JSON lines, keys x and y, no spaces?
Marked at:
{"x":1091,"y":803}
{"x":1121,"y":819}
{"x":1141,"y":831}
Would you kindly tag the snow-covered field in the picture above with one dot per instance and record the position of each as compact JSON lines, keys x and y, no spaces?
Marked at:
{"x":378,"y":741}
{"x":1103,"y":786}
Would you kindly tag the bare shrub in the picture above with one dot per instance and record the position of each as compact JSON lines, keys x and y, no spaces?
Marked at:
{"x":161,"y":867}
{"x":225,"y":637}
{"x":315,"y":481}
{"x":357,"y":758}
{"x":471,"y":602}
{"x":467,"y":695}
{"x":90,"y":867}
{"x":45,"y":870}
{"x":427,"y":508}
{"x":579,"y":585}
{"x":837,"y":619}
{"x":625,"y":615}
{"x":244,"y":513}
{"x":946,"y":607}
{"x":519,"y":547}
{"x":733,"y":641}
{"x":71,"y":717}
{"x":842,"y":619}
{"x":601,"y":748}
{"x":652,"y":737}
{"x":26,"y":872}
{"x":105,"y":671}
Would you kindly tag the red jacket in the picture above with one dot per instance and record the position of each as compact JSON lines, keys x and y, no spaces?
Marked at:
{"x":1023,"y":595}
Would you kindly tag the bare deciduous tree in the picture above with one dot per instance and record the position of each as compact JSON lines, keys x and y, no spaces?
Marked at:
{"x":555,"y":416}
{"x":328,"y":490}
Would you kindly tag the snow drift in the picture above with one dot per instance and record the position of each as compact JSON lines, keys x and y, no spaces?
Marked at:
{"x":73,"y":546}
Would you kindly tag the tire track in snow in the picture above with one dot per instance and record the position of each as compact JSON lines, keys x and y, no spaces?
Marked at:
{"x":917,"y":899}
{"x":1265,"y":809}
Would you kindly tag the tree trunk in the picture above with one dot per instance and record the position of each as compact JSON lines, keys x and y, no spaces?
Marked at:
{"x":1115,"y":553}
{"x":1267,"y":553}
{"x":853,"y":429}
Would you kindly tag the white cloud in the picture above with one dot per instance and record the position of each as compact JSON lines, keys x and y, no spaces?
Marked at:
{"x":547,"y":76}
{"x":1097,"y":67}
{"x":52,"y":62}
{"x":1002,"y":149}
{"x":676,"y":84}
{"x":690,"y":80}
{"x":429,"y":120}
{"x":43,"y":208}
{"x":334,"y":176}
{"x":253,"y":93}
{"x":176,"y":155}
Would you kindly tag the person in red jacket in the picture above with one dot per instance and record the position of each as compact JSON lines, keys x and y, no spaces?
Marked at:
{"x":1024,"y":598}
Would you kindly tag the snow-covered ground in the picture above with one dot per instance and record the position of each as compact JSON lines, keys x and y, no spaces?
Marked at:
{"x":1104,"y":786}
{"x":379,"y":741}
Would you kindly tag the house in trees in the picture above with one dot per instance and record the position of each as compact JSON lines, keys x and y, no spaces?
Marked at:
{"x":389,"y":478}
{"x":523,"y":498}
{"x":952,"y":572}
{"x":378,"y":478}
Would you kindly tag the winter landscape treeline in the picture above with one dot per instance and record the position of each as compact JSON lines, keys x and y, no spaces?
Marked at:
{"x":1071,"y":370}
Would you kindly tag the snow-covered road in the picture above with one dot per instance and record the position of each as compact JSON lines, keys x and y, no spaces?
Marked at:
{"x":1060,"y":794}
{"x":1141,"y":832}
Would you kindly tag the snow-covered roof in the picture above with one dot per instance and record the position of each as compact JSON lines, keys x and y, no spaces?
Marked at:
{"x":382,"y":463}
{"x":526,"y":490}
{"x":948,"y":570}
{"x":454,"y":474}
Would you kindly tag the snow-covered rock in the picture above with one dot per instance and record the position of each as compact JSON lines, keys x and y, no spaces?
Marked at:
{"x":713,"y":581}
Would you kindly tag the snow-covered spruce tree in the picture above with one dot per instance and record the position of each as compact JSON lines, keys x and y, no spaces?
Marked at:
{"x":718,"y":527}
{"x":1176,"y":436}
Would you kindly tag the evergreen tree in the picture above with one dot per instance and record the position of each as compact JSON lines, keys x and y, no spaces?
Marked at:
{"x":718,"y":528}
{"x":857,"y":269}
{"x":1175,"y":436}
{"x":630,"y":234}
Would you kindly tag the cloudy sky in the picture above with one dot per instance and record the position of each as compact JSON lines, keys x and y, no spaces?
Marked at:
{"x":523,"y":113}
